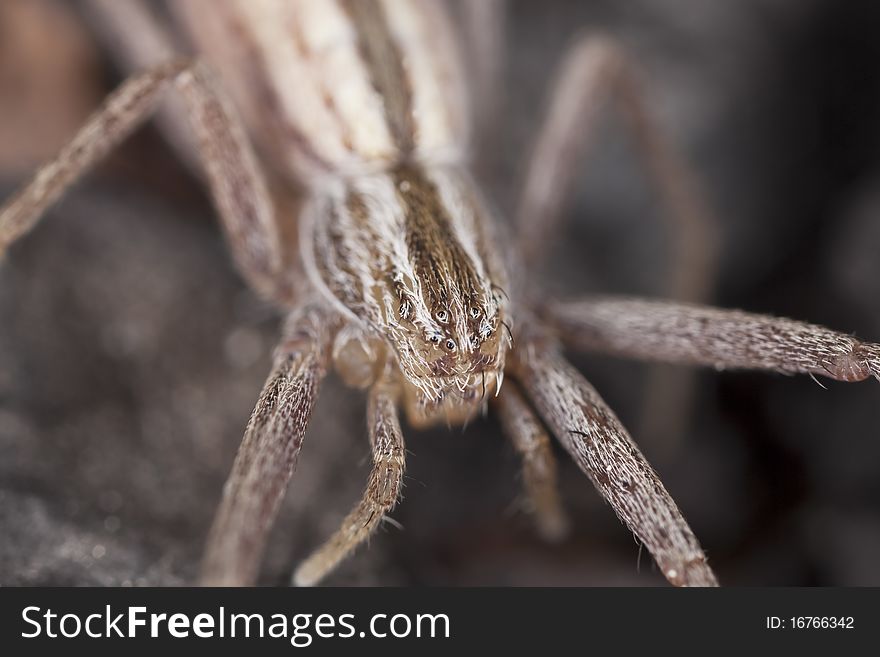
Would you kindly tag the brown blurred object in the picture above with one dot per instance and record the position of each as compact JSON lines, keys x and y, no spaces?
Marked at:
{"x":49,"y":78}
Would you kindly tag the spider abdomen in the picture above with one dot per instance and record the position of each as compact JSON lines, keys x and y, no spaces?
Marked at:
{"x":338,"y":86}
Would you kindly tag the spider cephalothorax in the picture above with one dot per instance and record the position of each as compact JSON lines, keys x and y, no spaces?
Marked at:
{"x":408,"y":253}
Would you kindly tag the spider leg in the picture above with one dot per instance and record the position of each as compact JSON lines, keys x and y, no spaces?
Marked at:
{"x":532,"y":444}
{"x":381,"y":494}
{"x":137,"y":40}
{"x":483,"y":27}
{"x":268,"y":452}
{"x":596,"y":69}
{"x":600,"y":445}
{"x":697,"y":335}
{"x":236,"y":182}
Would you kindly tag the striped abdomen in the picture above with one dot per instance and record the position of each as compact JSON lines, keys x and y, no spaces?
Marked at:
{"x":338,"y":86}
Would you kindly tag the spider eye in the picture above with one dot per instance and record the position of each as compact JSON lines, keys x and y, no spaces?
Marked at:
{"x":475,"y":342}
{"x":442,"y":316}
{"x":434,"y":338}
{"x":450,"y":345}
{"x":475,"y":312}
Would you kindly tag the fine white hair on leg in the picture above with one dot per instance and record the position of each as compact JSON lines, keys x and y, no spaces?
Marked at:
{"x":381,"y":494}
{"x":697,"y":335}
{"x":603,"y":449}
{"x":269,"y":450}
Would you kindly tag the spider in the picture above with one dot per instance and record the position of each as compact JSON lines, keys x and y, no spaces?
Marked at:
{"x":395,"y":272}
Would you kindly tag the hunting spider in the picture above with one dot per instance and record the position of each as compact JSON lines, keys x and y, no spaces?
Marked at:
{"x":395,"y":275}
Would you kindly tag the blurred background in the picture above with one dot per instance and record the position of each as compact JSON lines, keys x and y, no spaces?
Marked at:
{"x":131,"y":353}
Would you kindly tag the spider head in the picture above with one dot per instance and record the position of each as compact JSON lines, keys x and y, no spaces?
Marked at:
{"x":411,"y":253}
{"x":451,"y":355}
